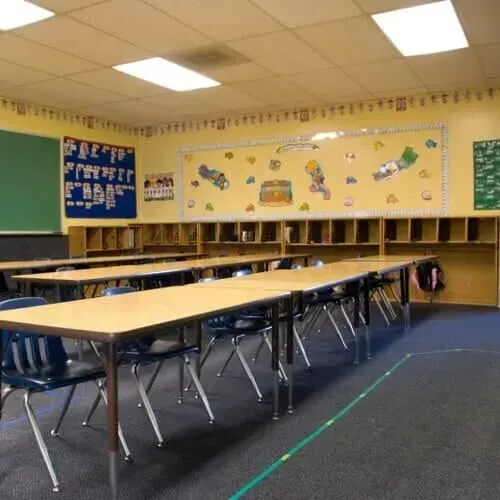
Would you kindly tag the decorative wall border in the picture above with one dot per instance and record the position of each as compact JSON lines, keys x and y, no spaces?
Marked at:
{"x":444,"y":210}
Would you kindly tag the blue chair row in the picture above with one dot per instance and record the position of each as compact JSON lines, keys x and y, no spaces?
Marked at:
{"x":37,"y":364}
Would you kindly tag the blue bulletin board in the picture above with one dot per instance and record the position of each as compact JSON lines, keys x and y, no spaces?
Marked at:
{"x":99,"y":180}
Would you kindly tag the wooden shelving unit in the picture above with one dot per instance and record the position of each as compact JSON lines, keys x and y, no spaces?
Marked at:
{"x":468,"y":246}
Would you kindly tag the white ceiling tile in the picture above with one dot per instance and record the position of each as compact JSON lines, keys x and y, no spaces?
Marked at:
{"x":83,"y":41}
{"x":328,"y":84}
{"x":12,"y":75}
{"x":493,"y":82}
{"x":352,"y":41}
{"x":480,"y":19}
{"x":219,"y":19}
{"x":227,"y":98}
{"x":383,"y":76}
{"x":276,"y":91}
{"x":238,"y":73}
{"x":183,"y":104}
{"x":21,"y":51}
{"x":375,"y":6}
{"x":281,"y":52}
{"x":60,"y":6}
{"x":448,"y":68}
{"x":293,"y":13}
{"x":489,"y":56}
{"x":116,"y":81}
{"x":142,"y":25}
{"x":131,"y":111}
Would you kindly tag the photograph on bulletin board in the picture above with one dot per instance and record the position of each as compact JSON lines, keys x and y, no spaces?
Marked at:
{"x":99,"y":180}
{"x":387,"y":171}
{"x":159,"y":187}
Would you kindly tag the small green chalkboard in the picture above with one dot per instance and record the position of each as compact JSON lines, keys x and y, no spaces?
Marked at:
{"x":487,"y":175}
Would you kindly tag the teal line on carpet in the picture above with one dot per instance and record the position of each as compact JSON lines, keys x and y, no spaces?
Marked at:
{"x":338,"y":416}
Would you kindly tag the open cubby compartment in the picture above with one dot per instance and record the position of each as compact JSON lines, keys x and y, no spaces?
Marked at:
{"x":93,"y":235}
{"x":368,"y":231}
{"x":109,"y":238}
{"x":344,"y":231}
{"x":136,"y":237}
{"x":209,"y":232}
{"x":424,"y":230}
{"x":452,"y":230}
{"x":123,"y":238}
{"x":270,"y":232}
{"x":249,"y":231}
{"x":188,"y":233}
{"x":397,"y":230}
{"x":170,"y":234}
{"x":153,"y":234}
{"x":319,"y":231}
{"x":228,"y":231}
{"x":296,"y":231}
{"x":482,"y":229}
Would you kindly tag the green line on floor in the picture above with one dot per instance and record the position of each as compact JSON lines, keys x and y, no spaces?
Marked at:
{"x":338,"y":416}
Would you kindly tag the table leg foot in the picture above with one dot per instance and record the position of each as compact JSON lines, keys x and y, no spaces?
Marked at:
{"x":290,"y":389}
{"x":276,"y":399}
{"x":113,"y":474}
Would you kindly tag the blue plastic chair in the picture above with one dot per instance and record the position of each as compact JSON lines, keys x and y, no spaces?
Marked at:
{"x":234,"y":327}
{"x":38,"y":363}
{"x":150,"y":350}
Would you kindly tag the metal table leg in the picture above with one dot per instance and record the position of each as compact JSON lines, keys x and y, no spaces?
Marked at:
{"x":112,"y":413}
{"x":366,"y":314}
{"x":275,"y":357}
{"x":355,"y":322}
{"x":289,"y":350}
{"x":406,"y":274}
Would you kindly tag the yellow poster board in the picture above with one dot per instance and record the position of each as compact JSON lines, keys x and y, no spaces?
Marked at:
{"x":377,"y":172}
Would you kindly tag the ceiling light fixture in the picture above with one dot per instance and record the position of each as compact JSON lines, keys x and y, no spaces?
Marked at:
{"x":167,"y":74}
{"x":322,"y":136}
{"x":17,"y":13}
{"x":425,"y":29}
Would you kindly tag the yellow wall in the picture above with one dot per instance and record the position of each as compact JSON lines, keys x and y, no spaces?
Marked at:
{"x":466,"y":121}
{"x":31,"y":124}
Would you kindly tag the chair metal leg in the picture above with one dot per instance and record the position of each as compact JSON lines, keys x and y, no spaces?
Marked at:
{"x":388,"y":304}
{"x":269,"y":345}
{"x":181,"y":381}
{"x":93,"y":408}
{"x":40,"y":441}
{"x":347,"y":320}
{"x":148,"y":407}
{"x":336,"y":327}
{"x":6,"y":392}
{"x":126,"y":450}
{"x":224,"y":366}
{"x":55,"y":431}
{"x":257,"y":352}
{"x":244,"y":364}
{"x":204,"y":357}
{"x":381,"y":309}
{"x":199,"y":388}
{"x":301,"y":347}
{"x":152,"y":379}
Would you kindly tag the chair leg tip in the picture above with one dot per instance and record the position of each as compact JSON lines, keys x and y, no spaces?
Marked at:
{"x":56,"y":489}
{"x":54,"y":433}
{"x":129,"y":459}
{"x":160,"y":445}
{"x":85,"y":423}
{"x":180,"y":401}
{"x":211,"y":422}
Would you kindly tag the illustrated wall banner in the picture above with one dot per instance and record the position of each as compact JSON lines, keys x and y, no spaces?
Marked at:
{"x":398,"y":171}
{"x":159,"y":187}
{"x":99,"y":180}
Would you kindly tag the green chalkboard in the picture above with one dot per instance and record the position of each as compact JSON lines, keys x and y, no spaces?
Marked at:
{"x":487,"y":175}
{"x":30,"y":183}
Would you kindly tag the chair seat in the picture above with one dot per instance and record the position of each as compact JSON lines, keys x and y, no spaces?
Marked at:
{"x":241,"y":326}
{"x":159,"y":349}
{"x":48,"y":379}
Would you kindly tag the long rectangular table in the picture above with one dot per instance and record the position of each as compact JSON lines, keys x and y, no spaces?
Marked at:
{"x":130,"y":316}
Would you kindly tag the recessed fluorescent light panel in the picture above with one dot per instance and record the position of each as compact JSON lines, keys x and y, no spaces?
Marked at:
{"x":322,"y":136}
{"x":167,"y":74}
{"x":424,"y":29}
{"x":17,"y":13}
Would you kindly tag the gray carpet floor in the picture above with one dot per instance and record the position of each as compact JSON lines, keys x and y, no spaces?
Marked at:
{"x":427,"y":430}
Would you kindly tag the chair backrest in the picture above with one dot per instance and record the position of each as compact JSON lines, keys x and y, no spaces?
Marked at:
{"x":296,"y":266}
{"x":285,"y":263}
{"x":318,"y":263}
{"x":117,"y":290}
{"x":242,"y":272}
{"x":31,"y":353}
{"x":64,"y":268}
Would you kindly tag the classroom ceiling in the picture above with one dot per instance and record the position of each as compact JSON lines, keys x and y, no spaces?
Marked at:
{"x":269,"y":54}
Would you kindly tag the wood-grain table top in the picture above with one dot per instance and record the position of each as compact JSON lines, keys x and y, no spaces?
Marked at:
{"x":138,"y":271}
{"x":13,"y":265}
{"x":132,"y":315}
{"x":415,"y":259}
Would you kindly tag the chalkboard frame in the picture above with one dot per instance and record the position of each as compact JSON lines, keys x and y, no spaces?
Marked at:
{"x":477,"y":205}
